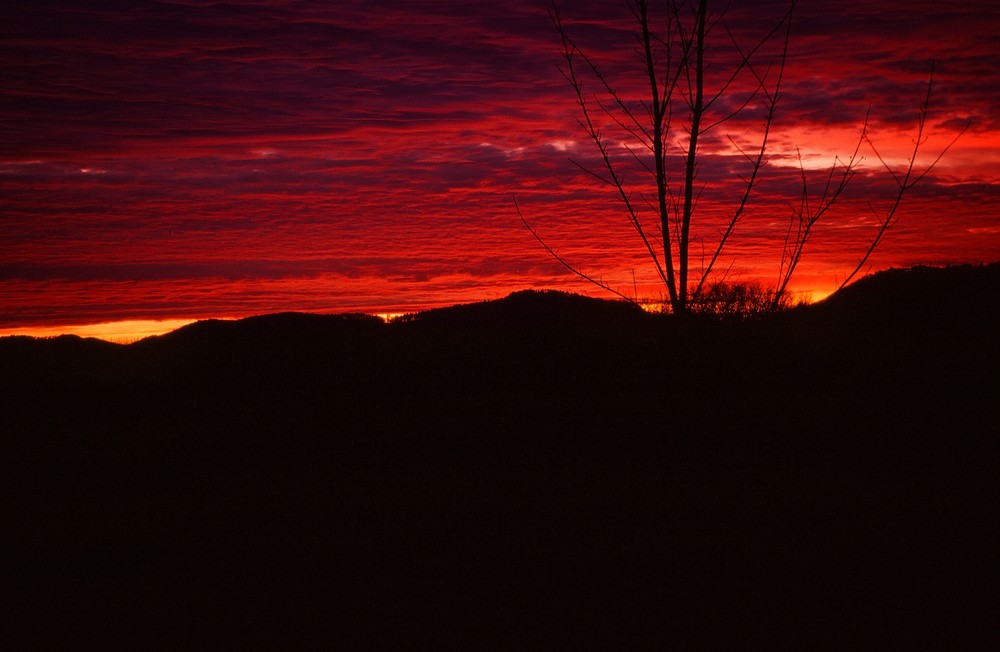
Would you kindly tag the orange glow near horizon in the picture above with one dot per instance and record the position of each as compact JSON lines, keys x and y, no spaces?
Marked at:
{"x":118,"y":332}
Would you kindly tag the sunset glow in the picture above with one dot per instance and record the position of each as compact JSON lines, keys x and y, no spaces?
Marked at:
{"x":162,"y":162}
{"x":119,"y":332}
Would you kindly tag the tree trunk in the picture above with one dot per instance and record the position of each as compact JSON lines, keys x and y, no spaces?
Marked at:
{"x":697,"y":108}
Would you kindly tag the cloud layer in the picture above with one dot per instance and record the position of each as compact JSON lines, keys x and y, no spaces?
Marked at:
{"x":191,"y":159}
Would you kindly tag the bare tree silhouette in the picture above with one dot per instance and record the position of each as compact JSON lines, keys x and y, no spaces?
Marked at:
{"x":688,"y":96}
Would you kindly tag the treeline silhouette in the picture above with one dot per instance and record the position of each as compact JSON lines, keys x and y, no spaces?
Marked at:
{"x":544,"y":470}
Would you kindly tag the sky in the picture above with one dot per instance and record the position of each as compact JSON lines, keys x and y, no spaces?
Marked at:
{"x":164,"y":161}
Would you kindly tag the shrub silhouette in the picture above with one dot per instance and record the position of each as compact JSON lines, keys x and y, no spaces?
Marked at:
{"x":742,"y":299}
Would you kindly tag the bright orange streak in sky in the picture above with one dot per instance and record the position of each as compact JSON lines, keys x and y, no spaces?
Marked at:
{"x":119,"y":332}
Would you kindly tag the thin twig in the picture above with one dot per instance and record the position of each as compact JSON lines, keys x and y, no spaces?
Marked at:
{"x":563,"y":262}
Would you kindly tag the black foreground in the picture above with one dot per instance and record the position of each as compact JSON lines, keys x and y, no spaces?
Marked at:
{"x":544,"y":471}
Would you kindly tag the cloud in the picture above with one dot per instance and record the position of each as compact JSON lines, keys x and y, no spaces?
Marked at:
{"x":196,"y":151}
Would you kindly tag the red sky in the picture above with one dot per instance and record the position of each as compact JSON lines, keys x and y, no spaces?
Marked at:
{"x":182,"y":159}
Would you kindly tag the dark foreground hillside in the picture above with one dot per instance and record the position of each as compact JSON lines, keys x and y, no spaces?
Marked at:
{"x":541,"y":472}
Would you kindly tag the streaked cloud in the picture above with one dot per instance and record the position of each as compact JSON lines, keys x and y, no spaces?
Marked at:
{"x":187,"y":159}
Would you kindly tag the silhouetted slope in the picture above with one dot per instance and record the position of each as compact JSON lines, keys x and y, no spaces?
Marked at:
{"x":921,"y":294}
{"x":544,"y":470}
{"x":926,"y":328}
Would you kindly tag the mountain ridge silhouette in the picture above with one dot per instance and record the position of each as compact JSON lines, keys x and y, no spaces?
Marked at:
{"x":543,"y":470}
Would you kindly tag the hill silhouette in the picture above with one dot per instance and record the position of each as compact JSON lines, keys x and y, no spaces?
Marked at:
{"x":544,"y":470}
